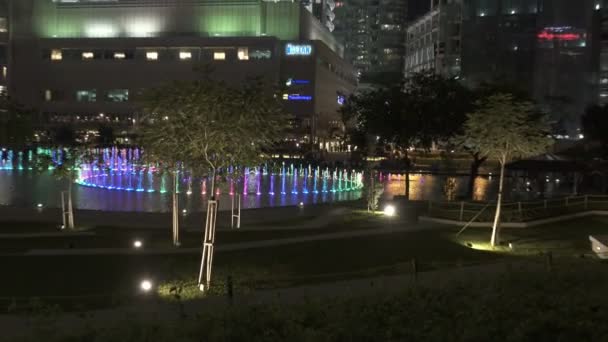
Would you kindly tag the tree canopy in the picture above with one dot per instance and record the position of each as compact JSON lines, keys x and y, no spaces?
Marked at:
{"x":210,"y":125}
{"x":504,"y":129}
{"x":424,"y":109}
{"x":595,"y":125}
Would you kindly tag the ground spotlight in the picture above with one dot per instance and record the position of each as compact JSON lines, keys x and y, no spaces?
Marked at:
{"x":137,"y":244}
{"x":145,"y":285}
{"x":40,"y":205}
{"x":390,"y":210}
{"x":184,"y":211}
{"x":301,"y":205}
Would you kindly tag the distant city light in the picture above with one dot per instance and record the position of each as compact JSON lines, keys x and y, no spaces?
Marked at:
{"x":137,"y":244}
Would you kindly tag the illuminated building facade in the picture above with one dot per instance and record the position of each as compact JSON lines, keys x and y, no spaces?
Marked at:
{"x":433,"y":41}
{"x":373,"y":34}
{"x":85,"y":61}
{"x":548,"y":48}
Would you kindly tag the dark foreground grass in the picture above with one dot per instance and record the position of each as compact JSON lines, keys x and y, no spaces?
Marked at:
{"x":118,"y":277}
{"x":569,"y":304}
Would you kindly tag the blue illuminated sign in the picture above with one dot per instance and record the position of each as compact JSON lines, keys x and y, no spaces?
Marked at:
{"x":296,"y":97}
{"x":291,"y":81}
{"x":341,"y":99}
{"x":298,"y":49}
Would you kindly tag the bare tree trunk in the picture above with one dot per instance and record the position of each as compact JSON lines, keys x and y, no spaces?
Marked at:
{"x":475,"y":165}
{"x":70,"y":207}
{"x":175,"y":210}
{"x":213,"y":183}
{"x":407,"y":175}
{"x":495,"y":240}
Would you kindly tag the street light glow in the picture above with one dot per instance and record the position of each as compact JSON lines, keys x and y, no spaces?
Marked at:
{"x":146,"y":285}
{"x":389,"y":210}
{"x":137,"y":244}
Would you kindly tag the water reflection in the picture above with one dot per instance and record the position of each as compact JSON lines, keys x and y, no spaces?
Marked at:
{"x":443,"y":187}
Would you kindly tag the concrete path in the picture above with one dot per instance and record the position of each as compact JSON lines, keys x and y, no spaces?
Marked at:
{"x":227,"y":247}
{"x":45,"y":235}
{"x":193,"y":221}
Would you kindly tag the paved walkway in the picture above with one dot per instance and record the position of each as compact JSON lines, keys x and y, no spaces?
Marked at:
{"x":193,"y":221}
{"x":228,"y":247}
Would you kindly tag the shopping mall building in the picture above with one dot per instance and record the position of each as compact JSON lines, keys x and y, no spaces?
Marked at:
{"x":83,"y":62}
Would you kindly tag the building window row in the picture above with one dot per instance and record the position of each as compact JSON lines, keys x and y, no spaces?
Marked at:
{"x":156,"y":54}
{"x":87,"y":95}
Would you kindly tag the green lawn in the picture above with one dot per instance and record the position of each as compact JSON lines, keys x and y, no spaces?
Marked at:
{"x":308,"y":262}
{"x":115,"y":277}
{"x":119,"y":237}
{"x":568,"y":238}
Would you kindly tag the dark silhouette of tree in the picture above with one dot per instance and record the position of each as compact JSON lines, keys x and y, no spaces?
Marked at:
{"x":64,"y":135}
{"x":16,"y":124}
{"x":595,"y":125}
{"x":106,"y":135}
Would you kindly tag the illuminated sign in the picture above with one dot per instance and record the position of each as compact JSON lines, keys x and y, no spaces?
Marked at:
{"x":297,"y":97}
{"x":291,"y":81}
{"x":560,"y":33}
{"x":341,"y":99}
{"x":298,"y":49}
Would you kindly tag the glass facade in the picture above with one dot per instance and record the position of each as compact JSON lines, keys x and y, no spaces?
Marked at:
{"x":206,"y":18}
{"x":117,"y":95}
{"x":89,"y":95}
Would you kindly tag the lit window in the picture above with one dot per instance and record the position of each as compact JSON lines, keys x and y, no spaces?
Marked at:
{"x":86,"y":95}
{"x":152,"y":56}
{"x":56,"y":55}
{"x":119,"y":55}
{"x":4,"y":71}
{"x":88,"y":55}
{"x":185,"y":55}
{"x":260,"y":54}
{"x":118,"y":95}
{"x":3,"y":25}
{"x":48,"y":95}
{"x":2,"y":90}
{"x":219,"y":56}
{"x":243,"y":54}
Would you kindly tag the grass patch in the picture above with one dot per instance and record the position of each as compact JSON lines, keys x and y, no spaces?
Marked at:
{"x":568,"y":238}
{"x":515,"y":305}
{"x":302,"y":263}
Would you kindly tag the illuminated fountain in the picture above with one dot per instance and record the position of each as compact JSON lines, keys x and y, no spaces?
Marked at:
{"x":120,"y":180}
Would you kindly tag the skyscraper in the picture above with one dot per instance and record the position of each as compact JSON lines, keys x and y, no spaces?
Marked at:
{"x":373,"y":33}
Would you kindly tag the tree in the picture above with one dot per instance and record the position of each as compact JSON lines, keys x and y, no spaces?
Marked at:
{"x":209,"y":126}
{"x":65,"y":162}
{"x":595,"y":125}
{"x":484,"y":91}
{"x":425,"y":109}
{"x":505,"y":129}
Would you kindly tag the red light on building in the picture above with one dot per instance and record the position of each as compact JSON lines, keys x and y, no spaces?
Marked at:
{"x":546,"y":35}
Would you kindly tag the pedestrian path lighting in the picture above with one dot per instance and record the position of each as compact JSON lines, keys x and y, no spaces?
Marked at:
{"x":389,"y":210}
{"x":146,"y":285}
